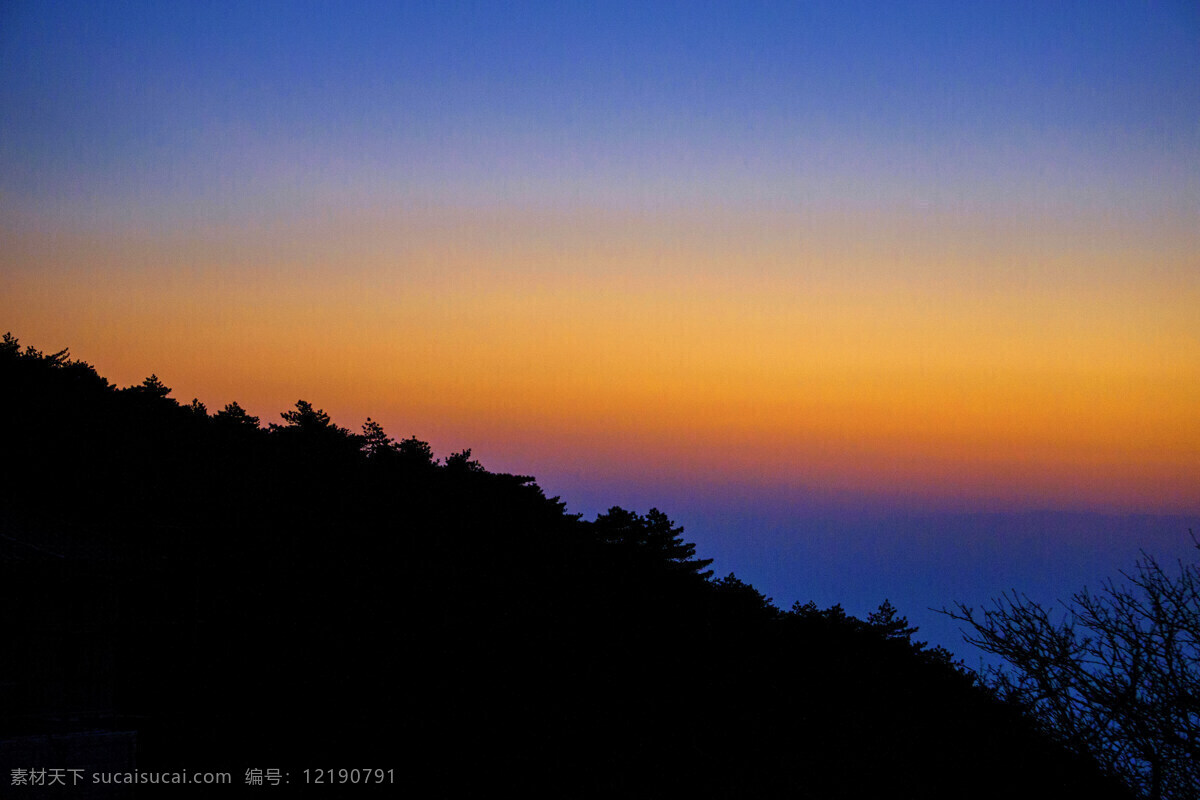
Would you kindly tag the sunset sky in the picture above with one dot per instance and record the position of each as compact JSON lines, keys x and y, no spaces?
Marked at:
{"x":877,"y":299}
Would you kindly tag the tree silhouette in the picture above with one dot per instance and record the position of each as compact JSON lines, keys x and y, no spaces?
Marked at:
{"x":307,"y":419}
{"x":1117,"y":677}
{"x":152,"y":387}
{"x":415,"y":452}
{"x":234,"y":416}
{"x":887,"y":620}
{"x":652,"y":538}
{"x":375,"y":441}
{"x":462,"y":462}
{"x":738,"y":594}
{"x":310,"y":431}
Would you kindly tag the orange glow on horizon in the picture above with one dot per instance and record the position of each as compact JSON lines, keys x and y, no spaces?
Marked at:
{"x":910,"y":366}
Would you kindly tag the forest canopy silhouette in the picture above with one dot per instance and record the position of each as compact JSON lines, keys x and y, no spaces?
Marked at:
{"x":299,"y":594}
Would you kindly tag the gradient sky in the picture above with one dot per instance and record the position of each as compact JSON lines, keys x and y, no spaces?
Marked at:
{"x":801,"y":274}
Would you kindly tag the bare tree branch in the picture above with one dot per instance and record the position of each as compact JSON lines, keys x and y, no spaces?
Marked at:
{"x":1116,"y":677}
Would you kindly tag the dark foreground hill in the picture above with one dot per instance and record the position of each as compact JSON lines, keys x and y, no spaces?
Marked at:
{"x":218,"y":595}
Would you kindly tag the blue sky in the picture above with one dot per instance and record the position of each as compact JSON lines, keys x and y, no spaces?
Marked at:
{"x":234,"y":106}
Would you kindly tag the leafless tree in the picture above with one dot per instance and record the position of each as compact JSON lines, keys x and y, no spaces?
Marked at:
{"x":1115,"y":675}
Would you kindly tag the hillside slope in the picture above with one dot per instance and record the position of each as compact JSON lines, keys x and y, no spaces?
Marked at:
{"x":298,"y":596}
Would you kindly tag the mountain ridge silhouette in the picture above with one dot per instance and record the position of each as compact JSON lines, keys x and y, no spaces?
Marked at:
{"x":298,"y":595}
